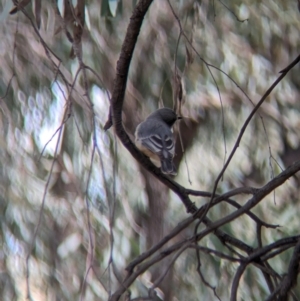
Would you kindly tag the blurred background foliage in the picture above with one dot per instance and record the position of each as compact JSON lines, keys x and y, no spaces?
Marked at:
{"x":129,"y":211}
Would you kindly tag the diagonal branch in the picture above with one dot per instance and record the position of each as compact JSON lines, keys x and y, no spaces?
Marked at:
{"x":132,"y":273}
{"x":244,"y":127}
{"x":117,"y":100}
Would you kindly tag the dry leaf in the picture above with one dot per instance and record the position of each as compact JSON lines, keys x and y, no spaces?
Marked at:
{"x":68,"y":19}
{"x":20,"y":5}
{"x":179,"y":88}
{"x":189,"y":56}
{"x":38,"y":13}
{"x":78,"y":27}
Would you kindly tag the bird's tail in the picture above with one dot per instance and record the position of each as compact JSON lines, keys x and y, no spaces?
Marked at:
{"x":168,"y":167}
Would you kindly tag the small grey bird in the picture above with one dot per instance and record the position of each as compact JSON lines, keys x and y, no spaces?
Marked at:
{"x":154,"y":138}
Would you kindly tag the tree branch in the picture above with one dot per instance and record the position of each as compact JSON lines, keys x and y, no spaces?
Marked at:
{"x":117,"y":100}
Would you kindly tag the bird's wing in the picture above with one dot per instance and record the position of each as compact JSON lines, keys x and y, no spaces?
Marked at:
{"x":162,"y":146}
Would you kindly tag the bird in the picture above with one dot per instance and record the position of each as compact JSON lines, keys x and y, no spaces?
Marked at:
{"x":154,"y":137}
